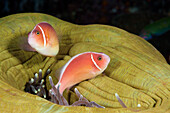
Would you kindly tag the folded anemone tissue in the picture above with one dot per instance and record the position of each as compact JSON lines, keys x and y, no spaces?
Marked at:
{"x":109,"y":69}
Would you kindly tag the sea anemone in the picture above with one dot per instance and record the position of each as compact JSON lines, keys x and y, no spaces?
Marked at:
{"x":137,"y":71}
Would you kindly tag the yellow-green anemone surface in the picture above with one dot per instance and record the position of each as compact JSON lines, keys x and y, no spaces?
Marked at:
{"x":137,"y":71}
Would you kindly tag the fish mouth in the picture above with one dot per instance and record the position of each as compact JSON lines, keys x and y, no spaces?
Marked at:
{"x":108,"y":58}
{"x":30,"y":40}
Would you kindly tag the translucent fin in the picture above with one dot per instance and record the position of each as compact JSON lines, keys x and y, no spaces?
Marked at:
{"x":58,"y":73}
{"x":24,"y":45}
{"x":69,"y":88}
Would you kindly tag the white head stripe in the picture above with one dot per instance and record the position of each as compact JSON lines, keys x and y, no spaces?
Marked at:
{"x":95,"y":63}
{"x":43,"y":35}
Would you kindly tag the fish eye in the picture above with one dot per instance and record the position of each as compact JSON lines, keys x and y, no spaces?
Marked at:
{"x":37,"y":32}
{"x":99,"y":58}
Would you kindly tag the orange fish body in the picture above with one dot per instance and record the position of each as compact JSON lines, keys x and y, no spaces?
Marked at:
{"x":81,"y":67}
{"x":43,"y":38}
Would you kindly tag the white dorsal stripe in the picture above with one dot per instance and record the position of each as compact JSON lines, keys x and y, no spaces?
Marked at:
{"x":45,"y":41}
{"x":74,"y":57}
{"x":95,"y":63}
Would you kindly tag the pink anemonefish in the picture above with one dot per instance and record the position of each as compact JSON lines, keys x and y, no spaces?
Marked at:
{"x":44,"y":39}
{"x":81,"y":67}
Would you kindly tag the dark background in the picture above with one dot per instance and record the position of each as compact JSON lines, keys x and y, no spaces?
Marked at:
{"x":130,"y":15}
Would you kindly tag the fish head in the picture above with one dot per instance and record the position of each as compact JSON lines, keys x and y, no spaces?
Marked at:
{"x":100,"y":61}
{"x":145,"y":35}
{"x":43,"y":38}
{"x":37,"y":38}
